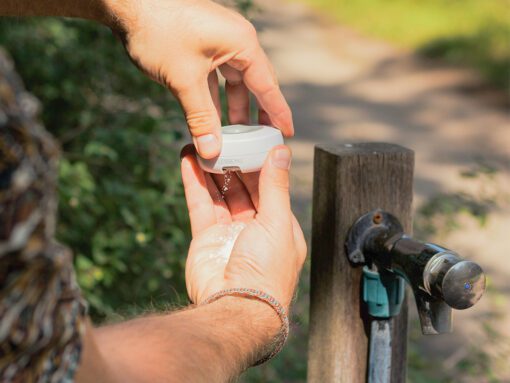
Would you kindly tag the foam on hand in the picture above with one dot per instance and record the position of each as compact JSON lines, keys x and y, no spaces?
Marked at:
{"x":244,"y":149}
{"x":225,"y":243}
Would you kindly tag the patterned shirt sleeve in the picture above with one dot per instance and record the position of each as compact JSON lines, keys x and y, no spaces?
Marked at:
{"x":42,"y":314}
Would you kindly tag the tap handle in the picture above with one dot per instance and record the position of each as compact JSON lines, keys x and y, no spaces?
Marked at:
{"x":459,"y":283}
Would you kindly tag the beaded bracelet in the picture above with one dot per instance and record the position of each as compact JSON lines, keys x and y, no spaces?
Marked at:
{"x":282,"y":336}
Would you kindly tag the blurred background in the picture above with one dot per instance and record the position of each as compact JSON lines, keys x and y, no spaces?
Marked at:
{"x":430,"y":75}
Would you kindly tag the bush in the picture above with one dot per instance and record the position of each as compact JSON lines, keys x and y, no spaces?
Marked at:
{"x":121,"y":210}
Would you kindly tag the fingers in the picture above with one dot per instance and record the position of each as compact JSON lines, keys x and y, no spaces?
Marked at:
{"x":198,"y":199}
{"x":205,"y":204}
{"x":251,"y":183}
{"x":274,"y":199}
{"x":202,"y":117}
{"x":263,"y":116}
{"x":214,"y":89}
{"x":260,"y":79}
{"x":238,"y":98}
{"x":236,"y":196}
{"x":299,"y":240}
{"x":220,"y":207}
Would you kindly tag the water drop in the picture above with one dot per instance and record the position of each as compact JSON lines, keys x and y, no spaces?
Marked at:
{"x":227,"y":178}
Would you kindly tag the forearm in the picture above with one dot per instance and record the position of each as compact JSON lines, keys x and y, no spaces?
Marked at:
{"x":212,"y":343}
{"x":89,"y":9}
{"x":108,"y":12}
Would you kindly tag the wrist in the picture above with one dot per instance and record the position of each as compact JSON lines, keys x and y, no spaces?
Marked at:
{"x":263,"y":333}
{"x":262,"y":320}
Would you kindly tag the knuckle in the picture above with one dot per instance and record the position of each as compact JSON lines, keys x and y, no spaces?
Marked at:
{"x":234,"y":81}
{"x":201,"y":121}
{"x":286,"y":111}
{"x":269,"y":88}
{"x":198,"y":206}
{"x":246,"y":39}
{"x":283,"y":112}
{"x":235,"y":110}
{"x":276,"y":228}
{"x":247,"y":31}
{"x":281,"y":183}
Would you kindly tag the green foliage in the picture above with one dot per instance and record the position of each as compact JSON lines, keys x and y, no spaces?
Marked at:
{"x":441,"y":212}
{"x":466,"y":32}
{"x":121,"y":208}
{"x":487,"y":49}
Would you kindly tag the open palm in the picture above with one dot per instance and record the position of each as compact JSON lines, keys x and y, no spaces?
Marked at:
{"x":246,"y":238}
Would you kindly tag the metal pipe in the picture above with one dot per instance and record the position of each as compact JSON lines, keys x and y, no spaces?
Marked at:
{"x":379,"y":361}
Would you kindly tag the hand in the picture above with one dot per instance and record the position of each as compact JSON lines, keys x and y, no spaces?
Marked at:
{"x":270,"y":250}
{"x":181,"y":44}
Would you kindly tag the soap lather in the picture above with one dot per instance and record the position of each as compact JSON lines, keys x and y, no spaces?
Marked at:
{"x":244,"y":149}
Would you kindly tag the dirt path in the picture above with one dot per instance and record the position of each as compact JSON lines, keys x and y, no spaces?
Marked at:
{"x":343,"y":87}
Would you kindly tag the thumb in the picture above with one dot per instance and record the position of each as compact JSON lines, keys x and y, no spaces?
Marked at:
{"x":202,"y":118}
{"x":274,"y":184}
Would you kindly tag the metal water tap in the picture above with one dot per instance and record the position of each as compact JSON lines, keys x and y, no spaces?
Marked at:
{"x":439,"y":278}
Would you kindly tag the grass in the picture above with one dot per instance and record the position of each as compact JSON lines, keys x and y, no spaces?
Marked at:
{"x":468,"y":32}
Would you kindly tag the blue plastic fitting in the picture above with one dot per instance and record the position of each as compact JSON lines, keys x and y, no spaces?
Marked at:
{"x":383,"y":295}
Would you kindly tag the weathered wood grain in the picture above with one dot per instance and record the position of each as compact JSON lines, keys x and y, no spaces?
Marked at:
{"x":350,"y":180}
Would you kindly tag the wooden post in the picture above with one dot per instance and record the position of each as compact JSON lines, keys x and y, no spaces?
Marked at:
{"x":349,"y":181}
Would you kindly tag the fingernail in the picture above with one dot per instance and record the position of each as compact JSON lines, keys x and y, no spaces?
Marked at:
{"x":281,"y":158}
{"x":208,"y":145}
